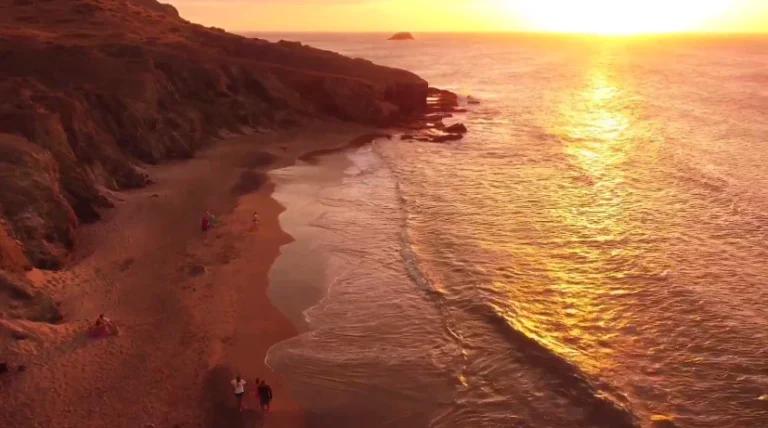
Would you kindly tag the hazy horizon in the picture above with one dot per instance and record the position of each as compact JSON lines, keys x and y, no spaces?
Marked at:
{"x":602,"y":17}
{"x":500,"y":32}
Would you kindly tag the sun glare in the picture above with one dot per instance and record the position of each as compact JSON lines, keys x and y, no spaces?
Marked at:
{"x":618,"y":17}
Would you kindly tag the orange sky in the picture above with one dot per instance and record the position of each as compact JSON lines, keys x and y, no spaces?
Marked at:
{"x":580,"y":16}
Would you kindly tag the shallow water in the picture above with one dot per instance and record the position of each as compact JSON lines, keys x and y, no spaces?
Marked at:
{"x":592,"y":254}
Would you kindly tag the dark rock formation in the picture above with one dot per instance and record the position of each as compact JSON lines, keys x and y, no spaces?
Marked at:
{"x":456,"y":128}
{"x":442,"y":138}
{"x":39,"y":213}
{"x":90,"y":90}
{"x":441,"y":101}
{"x":432,"y":136}
{"x":402,"y":36}
{"x":12,"y":256}
{"x":430,"y":127}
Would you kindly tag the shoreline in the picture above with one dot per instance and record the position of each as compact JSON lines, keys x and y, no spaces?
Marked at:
{"x":298,"y":187}
{"x":365,"y":326}
{"x":189,"y":313}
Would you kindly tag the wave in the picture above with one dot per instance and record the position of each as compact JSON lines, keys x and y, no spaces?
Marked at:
{"x":604,"y":405}
{"x":419,"y":277}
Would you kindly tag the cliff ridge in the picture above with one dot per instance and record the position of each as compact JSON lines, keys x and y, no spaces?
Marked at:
{"x":91,"y":90}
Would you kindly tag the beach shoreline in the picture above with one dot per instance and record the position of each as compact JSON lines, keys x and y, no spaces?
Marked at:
{"x":193,"y":310}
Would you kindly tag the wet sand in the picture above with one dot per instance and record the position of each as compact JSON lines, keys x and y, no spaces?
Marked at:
{"x":192,"y":307}
{"x":300,"y":188}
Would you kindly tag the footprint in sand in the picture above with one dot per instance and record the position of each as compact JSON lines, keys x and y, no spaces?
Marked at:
{"x":125,"y":264}
{"x":196,"y":270}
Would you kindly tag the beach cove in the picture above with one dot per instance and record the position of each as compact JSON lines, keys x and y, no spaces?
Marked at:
{"x":192,"y":309}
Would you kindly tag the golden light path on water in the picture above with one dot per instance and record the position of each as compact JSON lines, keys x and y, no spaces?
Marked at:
{"x":598,"y":136}
{"x":589,"y":255}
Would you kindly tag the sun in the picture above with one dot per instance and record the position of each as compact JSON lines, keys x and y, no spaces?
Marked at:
{"x":617,"y":17}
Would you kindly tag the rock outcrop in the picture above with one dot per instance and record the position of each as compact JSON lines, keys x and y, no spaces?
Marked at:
{"x":90,"y":90}
{"x":429,"y":127}
{"x":402,"y":36}
{"x":456,"y":128}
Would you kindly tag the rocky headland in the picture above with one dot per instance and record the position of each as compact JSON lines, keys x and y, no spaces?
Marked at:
{"x":91,"y":90}
{"x":94,"y":91}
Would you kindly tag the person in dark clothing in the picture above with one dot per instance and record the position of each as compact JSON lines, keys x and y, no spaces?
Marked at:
{"x":265,"y":396}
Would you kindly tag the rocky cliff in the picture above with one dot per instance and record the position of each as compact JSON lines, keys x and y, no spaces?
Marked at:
{"x":92,"y":89}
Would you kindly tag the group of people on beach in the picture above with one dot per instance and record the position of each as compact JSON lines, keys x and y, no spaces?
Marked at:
{"x":209,"y":221}
{"x":263,"y":391}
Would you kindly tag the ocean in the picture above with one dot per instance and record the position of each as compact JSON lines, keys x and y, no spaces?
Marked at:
{"x":592,"y":254}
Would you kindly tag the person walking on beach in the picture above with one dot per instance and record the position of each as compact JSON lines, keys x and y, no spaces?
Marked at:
{"x":265,"y":396}
{"x":211,"y":218}
{"x":239,"y":384}
{"x":205,"y":224}
{"x":256,"y":221}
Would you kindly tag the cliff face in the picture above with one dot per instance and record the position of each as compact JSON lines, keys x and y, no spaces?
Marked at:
{"x":91,"y":89}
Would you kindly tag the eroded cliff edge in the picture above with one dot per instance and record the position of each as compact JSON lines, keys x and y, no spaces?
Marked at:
{"x":92,"y":89}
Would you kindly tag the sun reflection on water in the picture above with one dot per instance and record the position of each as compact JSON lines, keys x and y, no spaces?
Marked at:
{"x":595,"y":127}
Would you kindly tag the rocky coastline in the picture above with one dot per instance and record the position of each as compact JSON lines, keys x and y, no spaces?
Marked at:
{"x":92,"y":91}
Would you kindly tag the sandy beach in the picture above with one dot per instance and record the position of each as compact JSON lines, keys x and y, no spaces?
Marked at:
{"x":192,"y":308}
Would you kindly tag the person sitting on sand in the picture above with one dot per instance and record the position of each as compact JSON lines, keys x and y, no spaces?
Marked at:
{"x":265,"y":396}
{"x":103,"y":327}
{"x":239,"y":384}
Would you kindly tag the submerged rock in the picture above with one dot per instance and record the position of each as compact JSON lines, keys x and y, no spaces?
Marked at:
{"x":457,"y":128}
{"x":446,"y":137}
{"x":402,"y":36}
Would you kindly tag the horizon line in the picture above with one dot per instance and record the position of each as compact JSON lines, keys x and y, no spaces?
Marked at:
{"x":534,"y":33}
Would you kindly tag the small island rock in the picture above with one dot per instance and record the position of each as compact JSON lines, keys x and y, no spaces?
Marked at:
{"x":402,"y":36}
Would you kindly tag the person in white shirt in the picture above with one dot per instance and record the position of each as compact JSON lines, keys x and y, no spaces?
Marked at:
{"x":239,"y":384}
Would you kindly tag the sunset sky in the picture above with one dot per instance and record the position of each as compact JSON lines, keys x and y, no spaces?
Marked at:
{"x":572,"y":16}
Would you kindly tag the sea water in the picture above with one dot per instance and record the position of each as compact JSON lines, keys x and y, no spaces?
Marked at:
{"x":591,"y":254}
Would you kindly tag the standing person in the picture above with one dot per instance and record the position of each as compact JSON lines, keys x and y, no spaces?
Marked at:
{"x":211,"y":218}
{"x":256,"y":221}
{"x":265,"y":396}
{"x":239,"y":384}
{"x":205,"y":223}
